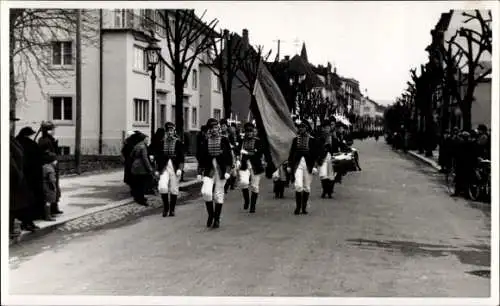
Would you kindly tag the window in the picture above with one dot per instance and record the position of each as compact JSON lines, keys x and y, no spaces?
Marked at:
{"x":217,"y":113}
{"x":62,"y":53}
{"x":140,"y":59}
{"x":62,"y":108}
{"x":172,"y":114}
{"x":160,"y":25}
{"x":163,"y":114}
{"x":195,"y":79}
{"x":186,"y":118}
{"x":64,"y":150}
{"x":141,"y":111}
{"x":172,"y":77}
{"x":216,"y":82}
{"x":161,"y":71}
{"x":120,"y":18}
{"x":194,"y":117}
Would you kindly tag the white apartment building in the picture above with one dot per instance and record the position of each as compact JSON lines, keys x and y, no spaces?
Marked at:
{"x":124,"y":90}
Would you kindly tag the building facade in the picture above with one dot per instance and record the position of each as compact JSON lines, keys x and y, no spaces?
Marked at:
{"x":122,"y":96}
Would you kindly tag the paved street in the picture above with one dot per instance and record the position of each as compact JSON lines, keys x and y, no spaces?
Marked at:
{"x":391,"y":230}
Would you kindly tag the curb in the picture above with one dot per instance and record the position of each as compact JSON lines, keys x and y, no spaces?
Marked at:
{"x":51,"y":226}
{"x":426,"y":160}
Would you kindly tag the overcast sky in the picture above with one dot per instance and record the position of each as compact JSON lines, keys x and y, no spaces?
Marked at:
{"x":376,"y":43}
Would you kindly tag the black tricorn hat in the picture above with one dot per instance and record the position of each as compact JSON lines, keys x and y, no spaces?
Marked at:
{"x":169,"y":125}
{"x":211,"y":122}
{"x":248,"y":125}
{"x":26,"y":131}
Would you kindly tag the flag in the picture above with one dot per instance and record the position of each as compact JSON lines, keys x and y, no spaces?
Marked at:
{"x":276,"y":118}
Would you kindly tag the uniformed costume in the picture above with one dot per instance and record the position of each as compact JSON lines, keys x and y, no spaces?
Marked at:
{"x":326,"y":171}
{"x":214,"y":165}
{"x":250,"y":152}
{"x":280,"y":179}
{"x":170,"y":164}
{"x":302,"y":163}
{"x":232,"y":142}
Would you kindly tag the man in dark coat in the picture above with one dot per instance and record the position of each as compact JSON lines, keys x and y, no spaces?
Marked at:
{"x":33,"y":171}
{"x":214,"y":165}
{"x":48,"y":144}
{"x":302,"y":164}
{"x":250,"y":152}
{"x":169,"y":156}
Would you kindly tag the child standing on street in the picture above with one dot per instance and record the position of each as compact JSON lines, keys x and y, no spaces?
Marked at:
{"x":49,"y":184}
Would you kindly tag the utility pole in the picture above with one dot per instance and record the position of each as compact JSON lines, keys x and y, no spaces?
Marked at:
{"x":78,"y":127}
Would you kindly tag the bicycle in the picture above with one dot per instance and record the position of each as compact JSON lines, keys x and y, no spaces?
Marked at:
{"x":480,"y":183}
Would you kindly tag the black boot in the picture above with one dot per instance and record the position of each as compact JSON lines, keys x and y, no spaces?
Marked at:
{"x":331,"y":184}
{"x":305,"y":198}
{"x":54,"y":208}
{"x":48,"y":215}
{"x":246,"y":198}
{"x":298,"y":202}
{"x":173,"y":201}
{"x":226,"y":187}
{"x":210,"y":211}
{"x":166,"y":205}
{"x":218,"y":209}
{"x":253,"y":202}
{"x":324,"y":187}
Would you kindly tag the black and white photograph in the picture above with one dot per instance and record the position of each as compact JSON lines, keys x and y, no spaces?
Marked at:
{"x":238,"y":152}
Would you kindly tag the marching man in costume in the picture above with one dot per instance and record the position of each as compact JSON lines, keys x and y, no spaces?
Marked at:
{"x":326,"y":173}
{"x":214,"y":165}
{"x":251,"y":168}
{"x":302,"y":163}
{"x":170,"y":163}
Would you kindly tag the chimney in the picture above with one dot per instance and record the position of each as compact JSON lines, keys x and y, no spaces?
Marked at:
{"x":246,"y":40}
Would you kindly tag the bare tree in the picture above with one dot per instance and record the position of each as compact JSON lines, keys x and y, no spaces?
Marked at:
{"x":33,"y":35}
{"x":224,"y":61}
{"x":476,"y":44}
{"x":188,"y":38}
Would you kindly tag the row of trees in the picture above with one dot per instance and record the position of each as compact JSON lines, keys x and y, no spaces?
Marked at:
{"x":424,"y":108}
{"x":189,"y":38}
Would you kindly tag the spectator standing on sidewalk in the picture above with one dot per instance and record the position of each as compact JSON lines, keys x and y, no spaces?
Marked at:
{"x":33,"y":172}
{"x":49,"y":184}
{"x":141,"y":169}
{"x":170,"y":157}
{"x":48,"y":144}
{"x":326,"y":173}
{"x":19,"y":200}
{"x":214,"y":165}
{"x":483,"y":142}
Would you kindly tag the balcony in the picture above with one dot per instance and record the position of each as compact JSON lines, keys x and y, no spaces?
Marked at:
{"x":142,"y":21}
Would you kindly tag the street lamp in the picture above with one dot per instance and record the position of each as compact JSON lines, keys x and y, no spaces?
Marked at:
{"x":153,"y":58}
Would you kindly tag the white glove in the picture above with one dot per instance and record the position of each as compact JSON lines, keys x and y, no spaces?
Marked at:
{"x":198,"y":177}
{"x":243,"y":151}
{"x":238,"y":164}
{"x":178,"y":172}
{"x":289,"y":170}
{"x":227,"y":176}
{"x":157,"y":173}
{"x":315,"y":171}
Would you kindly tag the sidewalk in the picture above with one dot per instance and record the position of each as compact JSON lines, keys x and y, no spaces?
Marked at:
{"x":89,"y":194}
{"x":431,"y":161}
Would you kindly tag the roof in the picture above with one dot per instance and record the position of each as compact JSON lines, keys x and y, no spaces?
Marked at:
{"x":297,"y":65}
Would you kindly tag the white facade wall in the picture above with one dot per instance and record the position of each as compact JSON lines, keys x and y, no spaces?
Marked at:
{"x":210,"y":97}
{"x":122,"y":83}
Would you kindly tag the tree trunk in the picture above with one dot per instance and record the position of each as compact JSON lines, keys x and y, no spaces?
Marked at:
{"x":12,"y":77}
{"x":226,"y":100}
{"x":179,"y":106}
{"x":466,"y":108}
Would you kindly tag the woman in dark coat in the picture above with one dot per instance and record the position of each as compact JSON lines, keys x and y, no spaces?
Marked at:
{"x":33,"y":171}
{"x":141,"y":169}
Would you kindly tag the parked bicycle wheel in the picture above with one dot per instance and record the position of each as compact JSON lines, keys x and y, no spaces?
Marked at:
{"x":450,"y":181}
{"x":475,"y":189}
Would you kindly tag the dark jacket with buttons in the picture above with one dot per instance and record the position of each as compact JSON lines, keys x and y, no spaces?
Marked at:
{"x":255,"y":157}
{"x":310,"y":156}
{"x":162,"y":158}
{"x":224,"y":160}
